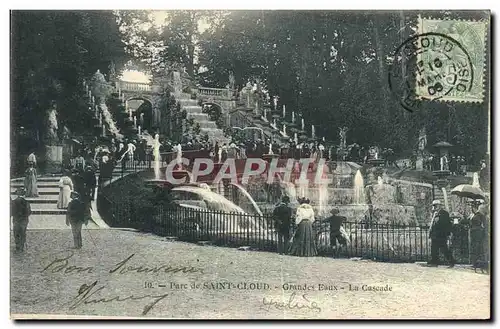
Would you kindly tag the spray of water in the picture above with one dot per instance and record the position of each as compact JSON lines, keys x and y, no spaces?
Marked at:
{"x":108,"y":118}
{"x":223,"y":221}
{"x":475,"y":179}
{"x":323,"y":198}
{"x":249,"y":197}
{"x":359,"y":188}
{"x":445,"y":196}
{"x":156,"y":154}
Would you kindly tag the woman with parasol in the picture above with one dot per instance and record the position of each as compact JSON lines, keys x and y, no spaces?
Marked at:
{"x":478,"y":224}
{"x":477,"y":221}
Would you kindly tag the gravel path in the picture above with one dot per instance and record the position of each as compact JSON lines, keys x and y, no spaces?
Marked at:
{"x":415,"y":291}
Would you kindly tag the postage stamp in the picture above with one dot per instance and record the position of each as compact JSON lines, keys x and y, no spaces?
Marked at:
{"x":451,"y":60}
{"x":249,"y":165}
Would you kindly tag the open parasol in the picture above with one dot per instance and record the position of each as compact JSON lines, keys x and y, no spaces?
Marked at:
{"x":468,"y":191}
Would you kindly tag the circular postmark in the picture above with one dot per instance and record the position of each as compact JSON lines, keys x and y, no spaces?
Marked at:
{"x":429,"y":66}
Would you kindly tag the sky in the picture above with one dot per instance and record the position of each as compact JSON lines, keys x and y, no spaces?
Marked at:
{"x":159,"y":17}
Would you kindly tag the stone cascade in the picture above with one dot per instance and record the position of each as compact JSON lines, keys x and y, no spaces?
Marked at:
{"x":208,"y":127}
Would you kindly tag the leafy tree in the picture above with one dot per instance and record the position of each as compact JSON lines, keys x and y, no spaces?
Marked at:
{"x":332,"y":67}
{"x":52,"y":53}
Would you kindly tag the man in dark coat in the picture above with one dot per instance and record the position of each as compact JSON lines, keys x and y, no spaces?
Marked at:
{"x":20,"y":212}
{"x":76,"y":216}
{"x":282,"y":216}
{"x":336,"y":222}
{"x":440,"y":230}
{"x":90,"y":183}
{"x":78,"y":182}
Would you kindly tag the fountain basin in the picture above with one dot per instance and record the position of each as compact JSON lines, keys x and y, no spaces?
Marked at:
{"x":380,"y":213}
{"x":269,"y":157}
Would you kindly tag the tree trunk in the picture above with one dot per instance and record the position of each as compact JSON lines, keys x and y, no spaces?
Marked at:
{"x":190,"y":64}
{"x":381,"y":61}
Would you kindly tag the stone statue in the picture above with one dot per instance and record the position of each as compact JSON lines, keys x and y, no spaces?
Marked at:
{"x":246,"y":93}
{"x":422,"y":140}
{"x":112,"y":71}
{"x":256,"y":92}
{"x":66,"y":134}
{"x":177,"y":83}
{"x":52,"y":126}
{"x":443,"y":161}
{"x":342,"y":150}
{"x":275,"y":102}
{"x":100,"y":87}
{"x":232,"y":81}
{"x":343,"y":137}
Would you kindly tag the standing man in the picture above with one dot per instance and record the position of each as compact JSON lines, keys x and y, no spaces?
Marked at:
{"x":440,"y":230}
{"x":20,"y":213}
{"x":76,"y":217}
{"x":336,"y":235}
{"x":90,"y":183}
{"x":80,"y":162}
{"x":282,"y":216}
{"x":78,"y":182}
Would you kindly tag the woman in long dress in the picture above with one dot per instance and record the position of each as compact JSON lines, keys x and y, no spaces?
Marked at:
{"x":477,"y":235}
{"x":65,"y":189}
{"x":303,"y":243}
{"x":30,"y":181}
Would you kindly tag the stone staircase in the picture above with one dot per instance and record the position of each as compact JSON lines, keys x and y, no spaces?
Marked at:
{"x":208,"y":127}
{"x":44,"y":211}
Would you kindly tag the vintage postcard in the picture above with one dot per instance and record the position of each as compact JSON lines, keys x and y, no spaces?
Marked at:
{"x":271,"y":164}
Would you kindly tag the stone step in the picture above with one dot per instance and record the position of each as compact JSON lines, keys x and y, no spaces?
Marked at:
{"x":213,"y":131}
{"x":207,"y":124}
{"x":198,"y":116}
{"x":188,"y":102}
{"x":40,"y":184}
{"x":45,"y":206}
{"x":51,"y":198}
{"x":192,"y":109}
{"x":36,"y":210}
{"x":54,"y":179}
{"x":41,"y":190}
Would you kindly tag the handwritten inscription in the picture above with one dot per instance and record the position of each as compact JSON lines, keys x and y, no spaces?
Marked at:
{"x":90,"y":294}
{"x":123,"y":267}
{"x":293,"y":303}
{"x":63,"y":265}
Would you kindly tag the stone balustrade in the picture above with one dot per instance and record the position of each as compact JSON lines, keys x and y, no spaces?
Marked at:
{"x":213,"y":92}
{"x":134,"y":86}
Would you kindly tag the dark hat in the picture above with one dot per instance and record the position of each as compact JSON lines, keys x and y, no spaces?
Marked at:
{"x":75,"y":195}
{"x":334,"y":211}
{"x":304,"y":200}
{"x":21,"y":191}
{"x":285,"y":199}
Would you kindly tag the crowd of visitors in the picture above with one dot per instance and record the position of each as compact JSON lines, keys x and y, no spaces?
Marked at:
{"x":443,"y":232}
{"x":78,"y":183}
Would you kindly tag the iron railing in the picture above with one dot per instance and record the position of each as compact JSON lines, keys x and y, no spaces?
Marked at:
{"x":387,"y":242}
